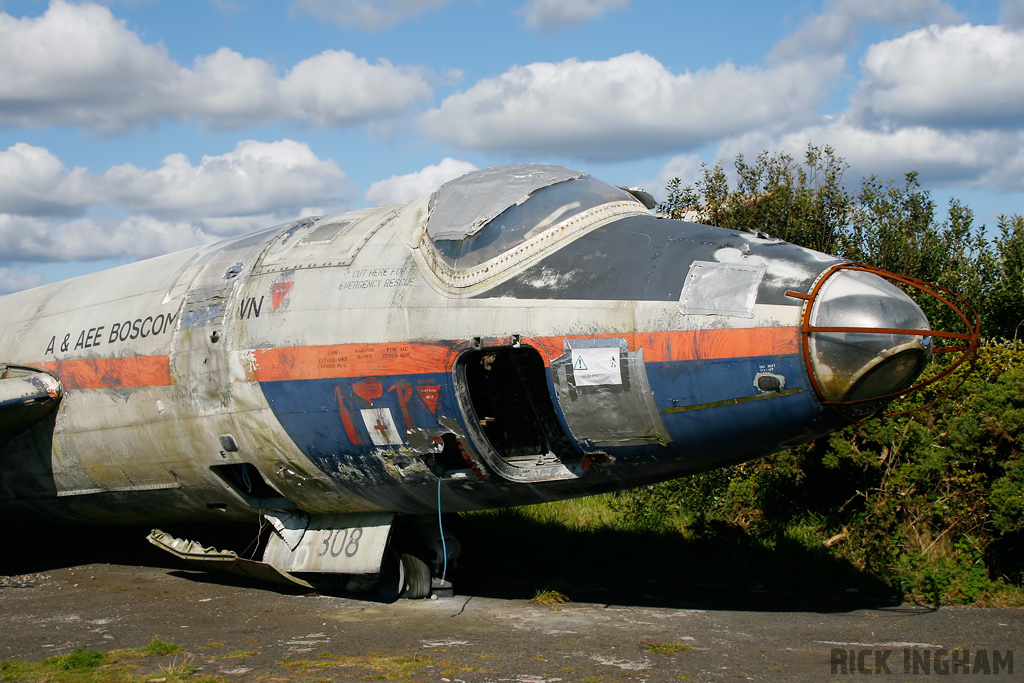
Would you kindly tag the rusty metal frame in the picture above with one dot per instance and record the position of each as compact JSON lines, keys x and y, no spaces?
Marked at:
{"x":968,"y":316}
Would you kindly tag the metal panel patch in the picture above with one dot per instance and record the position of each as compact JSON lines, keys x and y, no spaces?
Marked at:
{"x":713,"y":288}
{"x":604,"y":394}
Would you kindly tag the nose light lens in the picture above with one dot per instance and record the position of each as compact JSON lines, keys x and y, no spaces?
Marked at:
{"x":866,"y":341}
{"x":890,"y":376}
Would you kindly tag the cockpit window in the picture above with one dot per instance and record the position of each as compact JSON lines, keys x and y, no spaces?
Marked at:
{"x":476,"y":218}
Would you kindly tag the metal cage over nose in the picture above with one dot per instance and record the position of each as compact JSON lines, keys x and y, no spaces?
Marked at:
{"x":866,"y":342}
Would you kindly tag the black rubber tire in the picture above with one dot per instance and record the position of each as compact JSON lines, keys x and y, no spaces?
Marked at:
{"x":392,"y":581}
{"x":417,"y":577}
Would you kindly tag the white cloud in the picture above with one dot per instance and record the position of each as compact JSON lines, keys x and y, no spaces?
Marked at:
{"x":78,"y":65}
{"x":69,"y":63}
{"x":368,"y":15}
{"x":178,"y":205}
{"x":956,"y":77}
{"x":686,"y":167}
{"x":552,"y":15}
{"x":1011,"y":14}
{"x":86,"y":239}
{"x":12,"y":280}
{"x":626,"y":107}
{"x":840,"y":23}
{"x":942,"y":158}
{"x":34,"y":182}
{"x":28,"y":239}
{"x":945,"y":101}
{"x":254,"y":178}
{"x":336,"y":87}
{"x":402,"y":189}
{"x":223,"y":90}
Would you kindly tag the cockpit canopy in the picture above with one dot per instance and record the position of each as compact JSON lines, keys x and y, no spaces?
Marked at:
{"x":511,"y":211}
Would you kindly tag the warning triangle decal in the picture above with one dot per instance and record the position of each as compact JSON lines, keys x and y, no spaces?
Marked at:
{"x":580,"y":364}
{"x":280,"y":291}
{"x":430,"y":395}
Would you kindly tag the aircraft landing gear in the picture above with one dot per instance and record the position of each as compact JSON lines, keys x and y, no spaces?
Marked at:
{"x":419,"y":560}
{"x":417,"y":577}
{"x":362,"y":553}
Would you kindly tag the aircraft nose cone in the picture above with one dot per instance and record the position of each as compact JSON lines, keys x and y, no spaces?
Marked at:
{"x":862,"y":345}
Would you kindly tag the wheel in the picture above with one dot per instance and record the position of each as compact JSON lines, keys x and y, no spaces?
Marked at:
{"x":403,"y":576}
{"x":391,"y":580}
{"x":417,"y":577}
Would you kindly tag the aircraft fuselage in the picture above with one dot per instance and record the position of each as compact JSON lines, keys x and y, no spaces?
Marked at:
{"x":375,"y":361}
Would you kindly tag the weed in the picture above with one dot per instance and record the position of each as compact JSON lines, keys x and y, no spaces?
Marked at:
{"x":378,"y":666}
{"x":154,"y":648}
{"x":238,"y":653}
{"x":668,"y":648}
{"x":180,"y":669}
{"x":79,"y":660}
{"x":549,"y":597}
{"x":81,"y":666}
{"x":158,"y":647}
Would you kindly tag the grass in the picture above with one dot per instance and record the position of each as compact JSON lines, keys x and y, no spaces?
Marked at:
{"x":668,"y":649}
{"x":375,"y":666}
{"x":87,"y":666}
{"x":589,"y":543}
{"x":157,"y":647}
{"x":236,"y":653}
{"x":550,"y":597}
{"x":79,"y":660}
{"x":592,"y":513}
{"x":179,"y":669}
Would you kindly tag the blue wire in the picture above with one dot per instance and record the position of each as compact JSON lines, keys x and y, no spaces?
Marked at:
{"x":440,"y":527}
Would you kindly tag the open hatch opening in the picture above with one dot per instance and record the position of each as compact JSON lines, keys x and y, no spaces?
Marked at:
{"x":509,"y":408}
{"x":246,"y":482}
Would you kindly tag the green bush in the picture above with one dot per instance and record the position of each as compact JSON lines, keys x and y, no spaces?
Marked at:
{"x":931,"y":502}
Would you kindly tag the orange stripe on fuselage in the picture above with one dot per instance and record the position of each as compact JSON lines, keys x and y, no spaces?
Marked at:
{"x":351,"y":360}
{"x":412,"y":358}
{"x":108,"y":373}
{"x":689,"y":345}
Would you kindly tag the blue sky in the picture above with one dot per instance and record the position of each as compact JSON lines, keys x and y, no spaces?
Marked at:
{"x":137,"y":127}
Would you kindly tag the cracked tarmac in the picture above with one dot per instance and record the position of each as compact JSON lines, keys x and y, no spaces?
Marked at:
{"x":641,"y":632}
